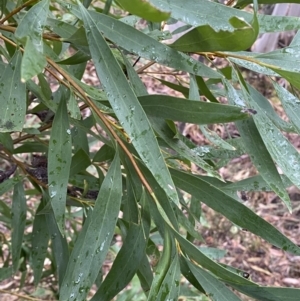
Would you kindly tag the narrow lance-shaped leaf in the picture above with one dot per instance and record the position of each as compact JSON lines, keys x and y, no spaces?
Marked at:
{"x":127,"y":261}
{"x":216,"y":199}
{"x":269,"y":293}
{"x":214,"y":138}
{"x":210,"y":135}
{"x":59,"y":245}
{"x":291,"y":105}
{"x":126,"y":106}
{"x":95,"y":237}
{"x":12,"y":96}
{"x":212,"y":286}
{"x":242,"y":3}
{"x":161,"y":127}
{"x":18,"y":222}
{"x":59,"y":162}
{"x":258,"y":152}
{"x":281,"y":150}
{"x":40,"y":240}
{"x":164,"y":131}
{"x":216,"y":15}
{"x":30,"y":31}
{"x":141,"y":44}
{"x":145,"y":10}
{"x":199,"y":112}
{"x":205,"y":261}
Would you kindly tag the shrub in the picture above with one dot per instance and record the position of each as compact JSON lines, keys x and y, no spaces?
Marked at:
{"x":109,"y":160}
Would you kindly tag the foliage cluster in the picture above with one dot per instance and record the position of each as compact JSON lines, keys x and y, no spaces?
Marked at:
{"x":133,"y":184}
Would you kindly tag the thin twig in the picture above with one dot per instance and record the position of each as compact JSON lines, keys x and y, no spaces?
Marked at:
{"x":16,"y":10}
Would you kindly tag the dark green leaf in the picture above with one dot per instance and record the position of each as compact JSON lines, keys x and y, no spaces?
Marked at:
{"x":6,"y":273}
{"x":12,"y":96}
{"x":200,"y":112}
{"x":18,"y":223}
{"x":8,"y":184}
{"x":179,"y":146}
{"x":291,"y":105}
{"x":205,"y":39}
{"x":77,"y":58}
{"x":216,"y":15}
{"x":214,"y":288}
{"x":141,"y":44}
{"x":125,"y":265}
{"x":165,"y":285}
{"x":40,"y":239}
{"x":29,"y":32}
{"x":105,"y":153}
{"x":7,"y":142}
{"x":129,"y":111}
{"x":233,"y":210}
{"x":94,"y":239}
{"x":59,"y":244}
{"x":59,"y":161}
{"x":144,"y":10}
{"x":80,"y":161}
{"x":73,"y":107}
{"x":269,"y":293}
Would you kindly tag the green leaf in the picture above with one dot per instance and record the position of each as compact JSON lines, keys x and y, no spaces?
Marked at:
{"x":33,"y":61}
{"x":40,"y":239}
{"x":279,"y":147}
{"x":73,"y":107}
{"x":30,"y":29}
{"x":33,"y":22}
{"x":205,"y":38}
{"x":262,"y":159}
{"x":214,"y":138}
{"x":256,"y":183}
{"x":165,"y":285}
{"x":197,"y":255}
{"x":125,"y":265}
{"x":243,"y":3}
{"x":59,"y":243}
{"x":126,"y":106}
{"x":255,"y":146}
{"x":232,"y":209}
{"x":104,"y":153}
{"x":18,"y":223}
{"x":94,"y":239}
{"x":265,"y":105}
{"x":164,"y":131}
{"x":77,"y":58}
{"x":12,"y":96}
{"x":5,"y":273}
{"x":199,"y":112}
{"x":183,"y":220}
{"x":5,"y":215}
{"x":269,"y":293}
{"x":144,"y":10}
{"x":216,"y":15}
{"x":291,"y":105}
{"x":6,"y":141}
{"x":8,"y":184}
{"x":80,"y":161}
{"x":141,"y":44}
{"x":214,"y":288}
{"x":59,"y":161}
